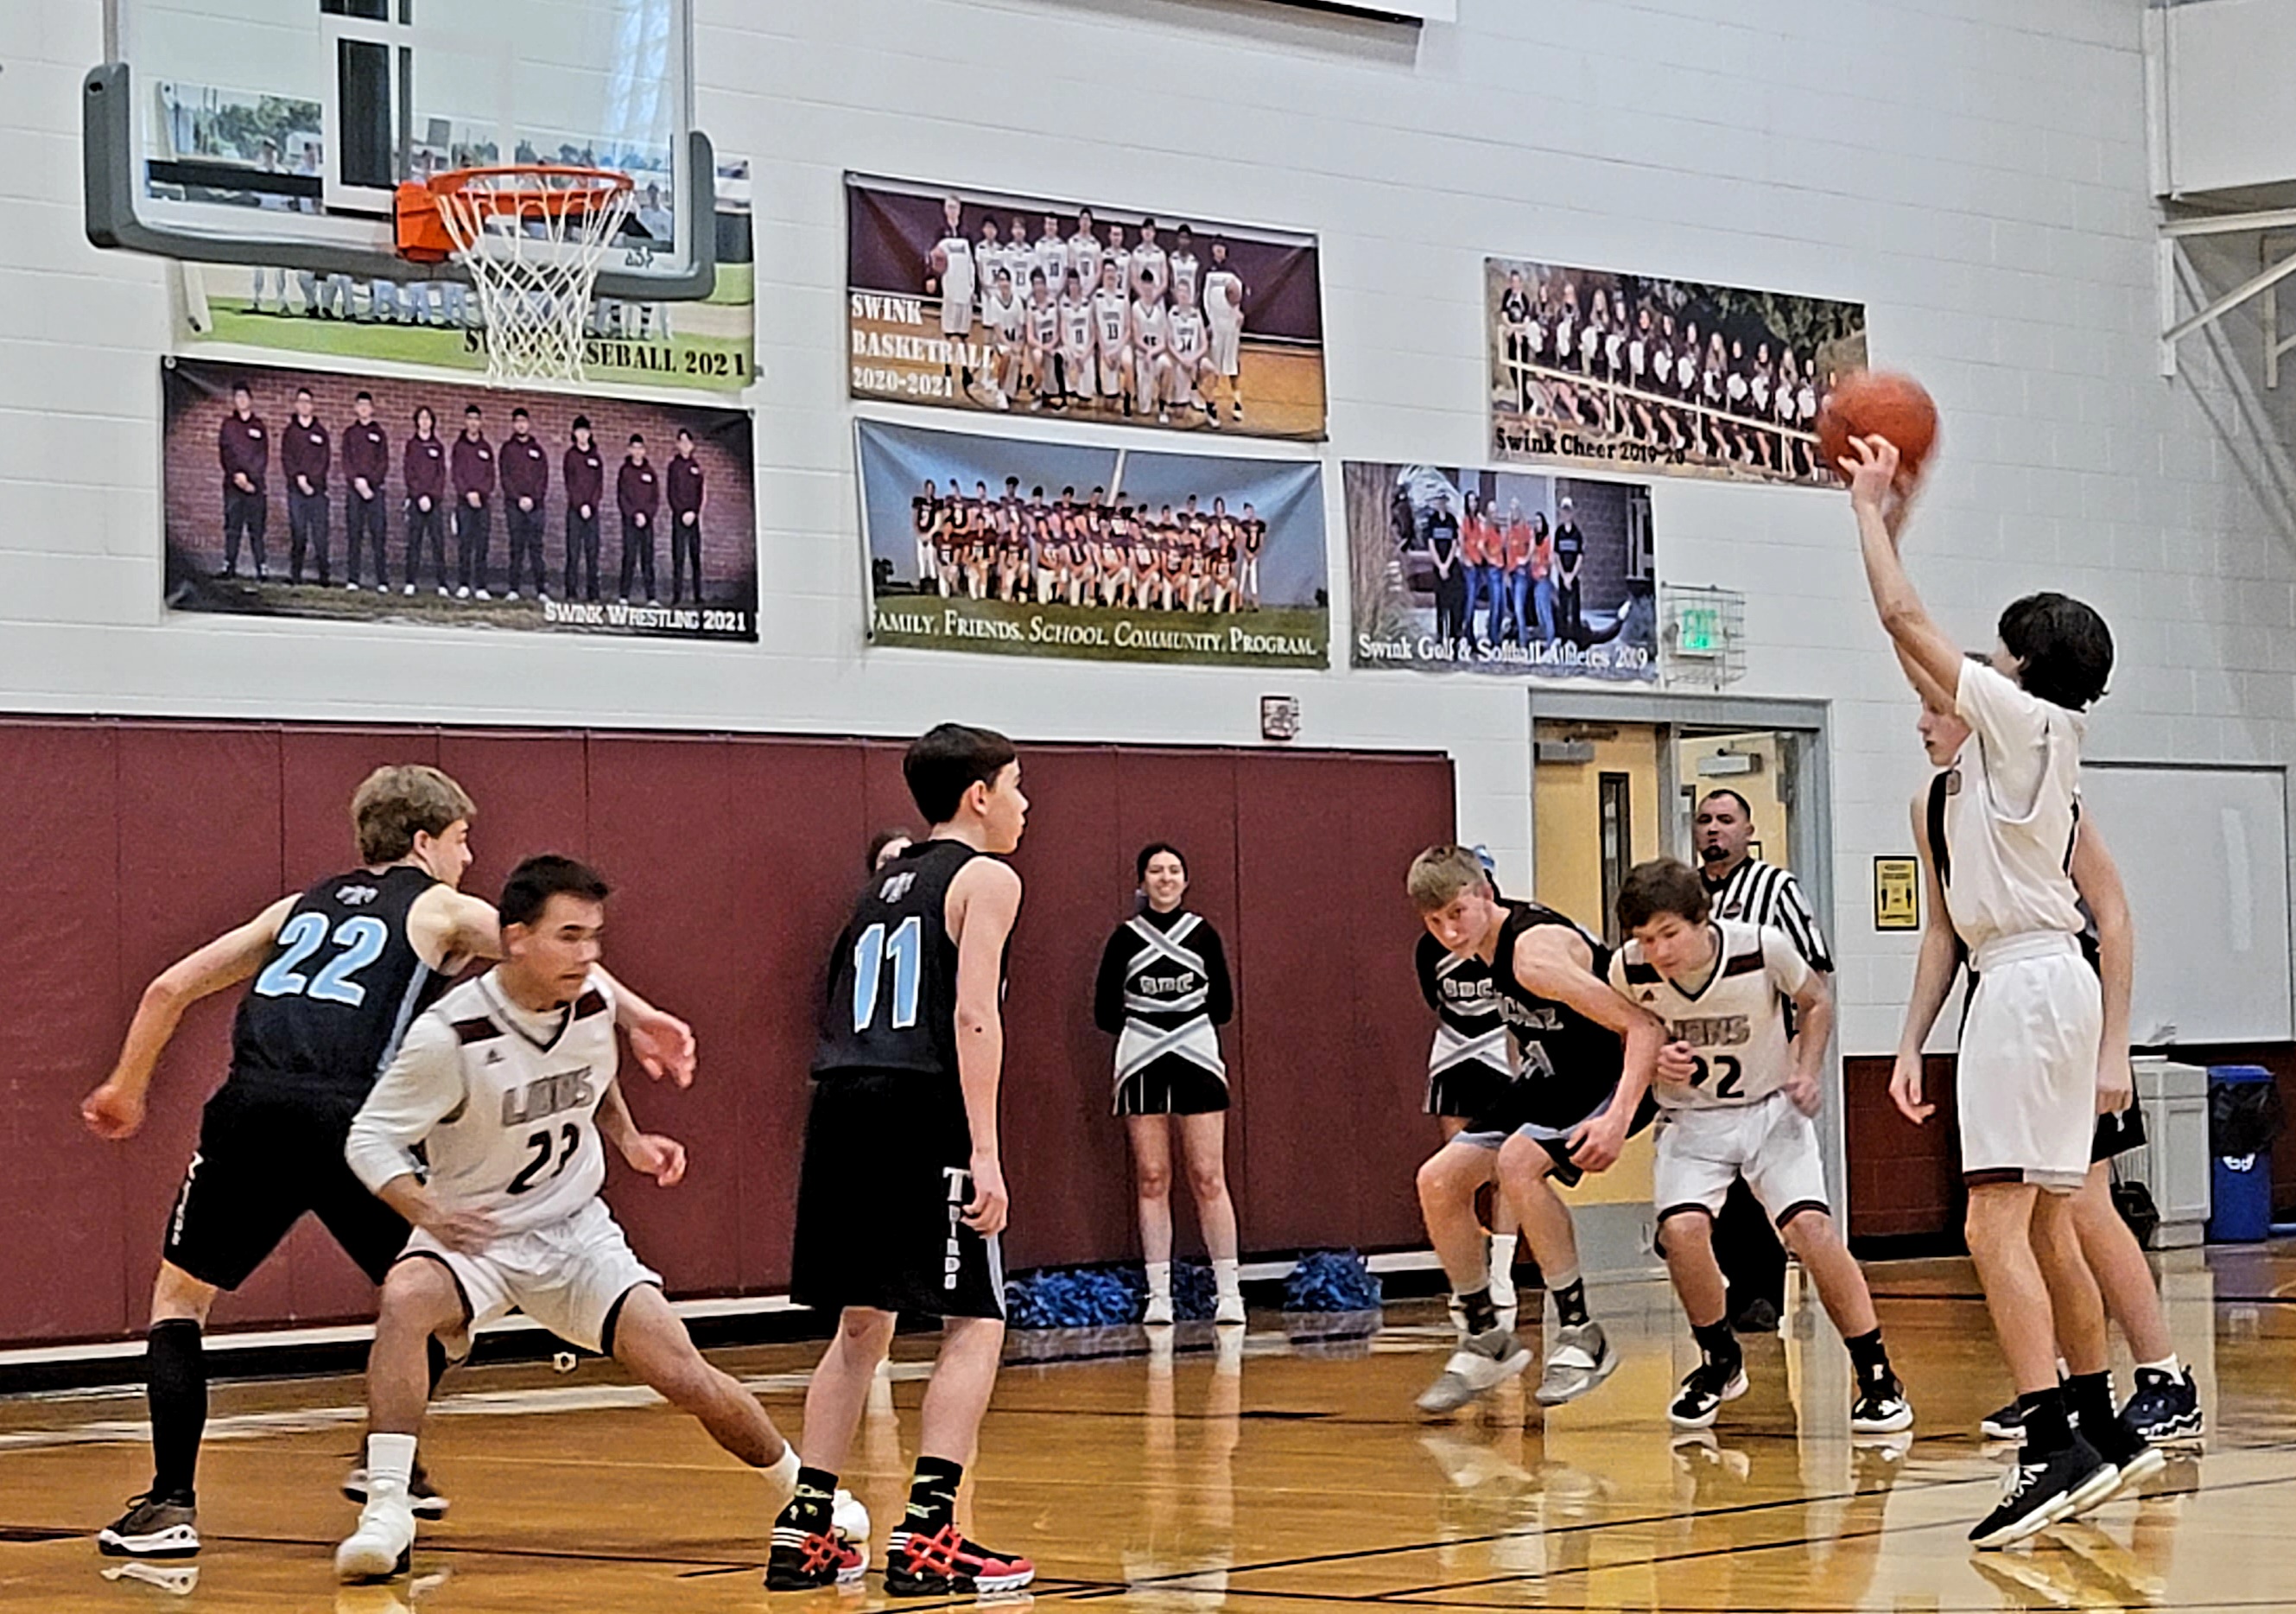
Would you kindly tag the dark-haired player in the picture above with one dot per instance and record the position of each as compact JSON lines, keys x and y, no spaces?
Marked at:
{"x":488,"y":1134}
{"x":1585,"y":1057}
{"x":2028,"y":1086}
{"x":339,"y":970}
{"x":1737,"y":1086}
{"x":901,"y":1199}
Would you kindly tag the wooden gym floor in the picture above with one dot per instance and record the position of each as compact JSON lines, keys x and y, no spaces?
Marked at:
{"x":1282,"y":1478}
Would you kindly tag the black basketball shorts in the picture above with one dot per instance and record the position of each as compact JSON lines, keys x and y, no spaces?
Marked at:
{"x":2117,"y":1135}
{"x":881,"y":1196}
{"x":263,"y":1160}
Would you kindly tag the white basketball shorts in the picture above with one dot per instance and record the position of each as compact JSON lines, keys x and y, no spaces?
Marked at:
{"x":2026,"y":1086}
{"x":1770,"y":1143}
{"x":568,"y":1276}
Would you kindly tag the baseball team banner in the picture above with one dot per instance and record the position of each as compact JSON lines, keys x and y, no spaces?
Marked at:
{"x":1016,"y":547}
{"x":977,"y":300}
{"x":709,"y":344}
{"x":1629,"y":373}
{"x":376,"y":498}
{"x":1507,"y":572}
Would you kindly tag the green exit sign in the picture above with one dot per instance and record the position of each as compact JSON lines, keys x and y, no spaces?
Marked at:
{"x":1698,"y":631}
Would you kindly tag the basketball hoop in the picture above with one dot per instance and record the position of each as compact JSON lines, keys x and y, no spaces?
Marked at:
{"x":532,"y":237}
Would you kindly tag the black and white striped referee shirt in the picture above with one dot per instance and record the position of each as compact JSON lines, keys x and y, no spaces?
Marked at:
{"x":1762,"y":894}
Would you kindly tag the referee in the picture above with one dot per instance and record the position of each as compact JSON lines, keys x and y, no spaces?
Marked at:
{"x":1752,"y":891}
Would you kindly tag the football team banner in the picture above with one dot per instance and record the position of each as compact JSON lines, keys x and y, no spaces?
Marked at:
{"x":977,"y":300}
{"x":368,"y":498}
{"x":711,"y":344}
{"x":1505,"y":571}
{"x":1633,"y":373}
{"x":1016,"y":547}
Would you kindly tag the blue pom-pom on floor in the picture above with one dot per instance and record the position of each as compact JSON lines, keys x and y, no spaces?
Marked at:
{"x":1332,"y":1280}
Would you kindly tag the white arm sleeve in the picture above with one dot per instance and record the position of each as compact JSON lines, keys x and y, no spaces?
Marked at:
{"x":423,"y":1087}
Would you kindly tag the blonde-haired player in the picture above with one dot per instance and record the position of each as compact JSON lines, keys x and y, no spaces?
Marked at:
{"x":1737,"y":1094}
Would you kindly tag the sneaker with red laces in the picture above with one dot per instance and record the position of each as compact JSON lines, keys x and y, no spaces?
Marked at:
{"x":946,"y":1564}
{"x":801,"y":1561}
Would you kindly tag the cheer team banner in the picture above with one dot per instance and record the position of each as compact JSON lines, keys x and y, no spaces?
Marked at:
{"x":1017,"y":546}
{"x":1504,"y":572}
{"x":1633,"y":373}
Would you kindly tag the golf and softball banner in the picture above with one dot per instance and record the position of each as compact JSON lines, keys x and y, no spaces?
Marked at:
{"x":979,"y":300}
{"x":1630,"y":374}
{"x":1505,"y":571}
{"x":1020,"y":547}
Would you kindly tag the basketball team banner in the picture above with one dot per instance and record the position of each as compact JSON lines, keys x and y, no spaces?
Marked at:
{"x":373,"y":498}
{"x":1015,"y":547}
{"x":1504,"y":572}
{"x":977,"y":300}
{"x":1632,"y":373}
{"x":710,"y":344}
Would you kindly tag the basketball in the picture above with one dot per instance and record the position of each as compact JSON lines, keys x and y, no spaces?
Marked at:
{"x":939,"y":260}
{"x":1879,"y":403}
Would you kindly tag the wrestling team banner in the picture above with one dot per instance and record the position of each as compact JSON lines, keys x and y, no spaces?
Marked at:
{"x":977,"y":300}
{"x":1510,"y":572}
{"x":1629,"y":372}
{"x":709,"y":344}
{"x":1016,"y":547}
{"x":379,"y":498}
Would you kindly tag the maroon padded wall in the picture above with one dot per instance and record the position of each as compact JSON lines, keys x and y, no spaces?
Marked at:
{"x":734,"y":859}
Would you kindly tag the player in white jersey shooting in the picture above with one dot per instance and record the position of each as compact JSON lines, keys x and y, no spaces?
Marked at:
{"x":487,"y":1133}
{"x":1737,"y":1095}
{"x":2027,"y":1083}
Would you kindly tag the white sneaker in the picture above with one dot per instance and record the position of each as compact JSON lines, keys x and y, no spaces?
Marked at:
{"x":511,"y":595}
{"x":383,"y":1544}
{"x":1578,"y":1360}
{"x":410,"y":589}
{"x":1482,"y":1362}
{"x":1228,"y":1310}
{"x":463,"y":592}
{"x":352,"y":586}
{"x":1158,"y":1311}
{"x":484,"y":595}
{"x":848,"y":1522}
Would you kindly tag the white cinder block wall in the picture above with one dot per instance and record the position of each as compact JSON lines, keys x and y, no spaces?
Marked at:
{"x":1973,"y":171}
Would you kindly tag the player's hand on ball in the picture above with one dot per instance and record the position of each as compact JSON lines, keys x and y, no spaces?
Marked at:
{"x":113,"y":1112}
{"x":1677,"y":1062}
{"x":985,"y":1213}
{"x":1906,"y":1090}
{"x":1595,"y":1146}
{"x":469,"y":1232}
{"x":2116,"y":1084}
{"x":663,"y":1044}
{"x":661,"y":1159}
{"x":1871,"y":468}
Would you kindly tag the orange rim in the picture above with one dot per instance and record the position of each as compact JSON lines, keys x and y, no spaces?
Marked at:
{"x":561,"y":190}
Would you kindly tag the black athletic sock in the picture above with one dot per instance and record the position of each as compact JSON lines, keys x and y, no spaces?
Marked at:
{"x":1481,"y":1314}
{"x":2047,"y":1430}
{"x":2088,"y":1398}
{"x":176,"y":1383}
{"x":808,"y":1509}
{"x":1570,"y":1304}
{"x":1719,"y":1342}
{"x":932,"y":1494}
{"x":1868,"y":1355}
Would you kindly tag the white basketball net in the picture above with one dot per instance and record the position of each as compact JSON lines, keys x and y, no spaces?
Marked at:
{"x":532,"y":240}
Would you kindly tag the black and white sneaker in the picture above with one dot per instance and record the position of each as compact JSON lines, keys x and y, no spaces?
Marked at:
{"x":153,"y":1527}
{"x":2134,"y":1458}
{"x":1881,"y":1407}
{"x":2166,"y":1409}
{"x":2007,"y":1423}
{"x":2036,"y":1494}
{"x":1704,"y":1389}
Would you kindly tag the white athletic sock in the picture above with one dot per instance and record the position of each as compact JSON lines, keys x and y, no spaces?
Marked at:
{"x":781,"y":1480}
{"x":1160,"y":1279}
{"x":2167,"y":1364}
{"x":1227,"y":1277}
{"x":390,"y":1462}
{"x":1503,"y":1252}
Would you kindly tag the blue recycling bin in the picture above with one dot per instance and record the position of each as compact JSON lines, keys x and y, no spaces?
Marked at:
{"x":2244,"y":1115}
